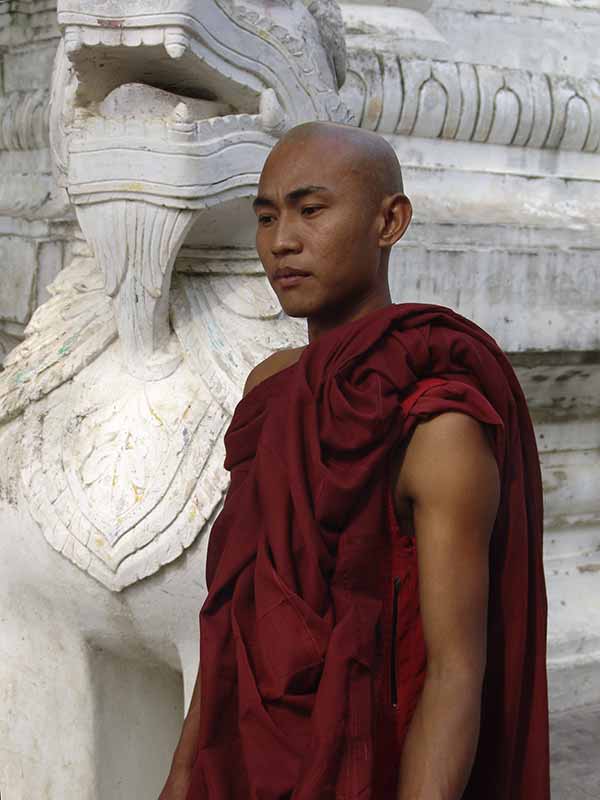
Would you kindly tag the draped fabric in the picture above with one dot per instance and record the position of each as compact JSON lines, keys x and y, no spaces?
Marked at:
{"x":290,"y":628}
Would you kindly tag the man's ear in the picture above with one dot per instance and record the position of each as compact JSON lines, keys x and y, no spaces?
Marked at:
{"x":396,"y":211}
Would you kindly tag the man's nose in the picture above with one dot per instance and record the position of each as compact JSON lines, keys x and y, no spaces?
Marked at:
{"x":285,"y":239}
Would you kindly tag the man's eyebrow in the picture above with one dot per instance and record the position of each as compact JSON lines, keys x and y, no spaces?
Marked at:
{"x":295,"y":194}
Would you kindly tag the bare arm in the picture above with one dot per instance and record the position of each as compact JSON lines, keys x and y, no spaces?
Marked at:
{"x":178,"y":781}
{"x":452,"y":477}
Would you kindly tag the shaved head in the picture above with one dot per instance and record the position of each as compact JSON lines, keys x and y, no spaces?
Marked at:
{"x":330,"y":203}
{"x":366,"y":153}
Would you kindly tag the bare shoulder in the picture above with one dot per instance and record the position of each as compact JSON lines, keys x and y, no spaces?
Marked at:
{"x":272,"y":364}
{"x":451,"y":452}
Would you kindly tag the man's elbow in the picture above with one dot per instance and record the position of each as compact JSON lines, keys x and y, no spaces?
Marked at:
{"x":465,"y":674}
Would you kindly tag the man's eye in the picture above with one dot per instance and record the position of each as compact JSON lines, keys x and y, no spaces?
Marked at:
{"x":307,"y":210}
{"x":264,"y":219}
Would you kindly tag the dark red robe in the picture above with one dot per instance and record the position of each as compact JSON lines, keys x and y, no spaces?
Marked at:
{"x":293,"y":631}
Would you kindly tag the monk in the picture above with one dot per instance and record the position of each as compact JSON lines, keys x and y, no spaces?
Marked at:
{"x":330,"y":206}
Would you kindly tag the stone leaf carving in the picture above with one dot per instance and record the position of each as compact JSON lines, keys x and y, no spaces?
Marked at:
{"x":122,"y":483}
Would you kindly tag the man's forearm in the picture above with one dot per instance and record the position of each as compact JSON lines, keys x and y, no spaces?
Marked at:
{"x":187,"y":747}
{"x":442,"y":739}
{"x":182,"y":765}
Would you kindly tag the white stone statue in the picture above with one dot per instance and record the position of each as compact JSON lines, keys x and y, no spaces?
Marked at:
{"x":150,"y":375}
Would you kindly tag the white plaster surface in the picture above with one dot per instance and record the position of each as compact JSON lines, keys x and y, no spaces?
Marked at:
{"x":574,"y":747}
{"x":138,"y":710}
{"x":542,"y":36}
{"x":18,"y":294}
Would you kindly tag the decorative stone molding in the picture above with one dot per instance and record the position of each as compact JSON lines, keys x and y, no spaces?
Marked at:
{"x":24,"y":120}
{"x":470,"y":102}
{"x":473,"y":102}
{"x":63,"y":336}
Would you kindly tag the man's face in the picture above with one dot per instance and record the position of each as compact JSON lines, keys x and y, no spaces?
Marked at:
{"x":315,"y":214}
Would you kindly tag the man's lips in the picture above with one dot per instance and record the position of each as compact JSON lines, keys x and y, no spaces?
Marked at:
{"x":289,"y":280}
{"x":289,"y":272}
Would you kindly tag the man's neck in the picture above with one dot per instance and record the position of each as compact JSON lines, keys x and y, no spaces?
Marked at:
{"x":316,"y":327}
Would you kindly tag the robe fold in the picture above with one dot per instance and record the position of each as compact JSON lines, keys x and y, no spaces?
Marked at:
{"x":292,"y":627}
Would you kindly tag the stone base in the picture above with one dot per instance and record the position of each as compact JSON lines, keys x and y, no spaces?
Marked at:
{"x":574,"y":748}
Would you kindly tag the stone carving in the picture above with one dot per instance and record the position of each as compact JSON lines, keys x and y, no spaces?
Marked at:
{"x":7,"y":343}
{"x":63,"y":336}
{"x":114,"y":468}
{"x":473,"y":102}
{"x":24,"y":120}
{"x":122,"y":474}
{"x":126,"y":382}
{"x":135,"y":245}
{"x":200,"y":156}
{"x":331,"y":27}
{"x":470,"y":102}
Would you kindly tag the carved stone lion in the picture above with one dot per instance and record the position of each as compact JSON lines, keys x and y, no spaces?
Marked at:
{"x":162,"y":115}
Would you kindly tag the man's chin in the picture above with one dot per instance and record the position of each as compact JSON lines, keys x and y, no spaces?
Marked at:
{"x":296,"y":306}
{"x":296,"y":311}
